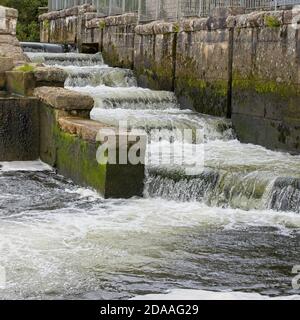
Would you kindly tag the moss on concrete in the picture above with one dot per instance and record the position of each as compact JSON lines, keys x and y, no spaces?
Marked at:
{"x":102,"y":24}
{"x":263,"y":86}
{"x":272,"y":22}
{"x":25,"y":68}
{"x":76,"y":159}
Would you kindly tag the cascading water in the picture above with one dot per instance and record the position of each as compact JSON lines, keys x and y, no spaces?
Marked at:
{"x":190,"y":230}
{"x":229,"y":179}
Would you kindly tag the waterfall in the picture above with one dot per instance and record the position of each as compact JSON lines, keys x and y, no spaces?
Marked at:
{"x":234,"y":175}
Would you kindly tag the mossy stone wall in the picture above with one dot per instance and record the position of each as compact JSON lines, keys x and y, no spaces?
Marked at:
{"x":265,"y":84}
{"x":202,"y":70}
{"x":75,"y":158}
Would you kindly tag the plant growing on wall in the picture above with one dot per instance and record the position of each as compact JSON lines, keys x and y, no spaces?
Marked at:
{"x":272,"y":22}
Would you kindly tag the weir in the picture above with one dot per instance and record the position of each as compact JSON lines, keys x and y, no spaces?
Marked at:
{"x":71,"y":228}
{"x":235,"y":175}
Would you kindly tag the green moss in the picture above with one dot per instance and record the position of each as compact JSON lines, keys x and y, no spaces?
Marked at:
{"x":25,"y":68}
{"x":46,"y":24}
{"x":102,"y":24}
{"x":176,"y":28}
{"x":272,"y":22}
{"x":264,"y":86}
{"x":76,"y":158}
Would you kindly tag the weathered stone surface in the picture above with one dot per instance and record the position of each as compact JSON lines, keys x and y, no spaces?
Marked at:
{"x":83,"y":128}
{"x":69,"y":145}
{"x":124,"y":19}
{"x":8,"y":20}
{"x":244,"y":63}
{"x":9,"y":45}
{"x":50,"y":76}
{"x":94,"y":23}
{"x":154,"y":60}
{"x":6,"y":64}
{"x":19,"y":129}
{"x":20,"y":83}
{"x":63,"y":99}
{"x":118,"y":41}
{"x":202,"y":71}
{"x":10,"y":48}
{"x":266,"y":87}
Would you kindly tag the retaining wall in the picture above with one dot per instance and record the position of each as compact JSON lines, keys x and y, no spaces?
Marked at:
{"x":243,"y":66}
{"x":19,"y":129}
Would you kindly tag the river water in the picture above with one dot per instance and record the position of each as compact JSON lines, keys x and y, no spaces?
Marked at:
{"x":234,"y":226}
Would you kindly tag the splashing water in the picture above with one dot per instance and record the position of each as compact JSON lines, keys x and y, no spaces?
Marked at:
{"x":220,"y":229}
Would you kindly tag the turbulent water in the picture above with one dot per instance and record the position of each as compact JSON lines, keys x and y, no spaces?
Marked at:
{"x":230,"y":225}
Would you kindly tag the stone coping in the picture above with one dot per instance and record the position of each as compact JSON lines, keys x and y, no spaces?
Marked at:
{"x":64,"y":99}
{"x":74,"y":11}
{"x":6,"y":12}
{"x":121,"y":20}
{"x":84,"y":128}
{"x":271,"y":19}
{"x":50,"y":74}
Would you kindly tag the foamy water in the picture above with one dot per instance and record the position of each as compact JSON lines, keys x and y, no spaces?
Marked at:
{"x":211,"y":295}
{"x":231,"y":231}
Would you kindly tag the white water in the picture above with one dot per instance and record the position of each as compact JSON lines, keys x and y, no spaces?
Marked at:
{"x":24,"y":166}
{"x":210,"y":295}
{"x":189,"y":232}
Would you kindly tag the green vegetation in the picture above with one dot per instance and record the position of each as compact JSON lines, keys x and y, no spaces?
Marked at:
{"x":272,"y":22}
{"x":176,"y":27}
{"x":102,"y":24}
{"x":28,"y":26}
{"x":25,"y":68}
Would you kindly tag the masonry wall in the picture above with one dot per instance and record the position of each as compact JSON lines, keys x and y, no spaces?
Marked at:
{"x":266,"y":95}
{"x":19,"y":129}
{"x":154,"y":58}
{"x":243,"y":66}
{"x":117,"y":42}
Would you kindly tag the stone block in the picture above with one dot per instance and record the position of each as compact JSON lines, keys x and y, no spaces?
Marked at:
{"x":63,"y":99}
{"x":20,"y":83}
{"x":19,"y":129}
{"x":8,"y":20}
{"x":6,"y":64}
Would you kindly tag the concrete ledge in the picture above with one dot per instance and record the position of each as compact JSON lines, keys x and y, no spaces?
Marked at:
{"x":74,"y":11}
{"x":24,"y":82}
{"x":83,"y":128}
{"x":51,"y":76}
{"x":69,"y":144}
{"x":124,"y":19}
{"x":63,"y":99}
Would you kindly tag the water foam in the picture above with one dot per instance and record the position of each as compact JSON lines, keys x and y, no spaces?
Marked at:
{"x":24,"y":166}
{"x":182,"y":294}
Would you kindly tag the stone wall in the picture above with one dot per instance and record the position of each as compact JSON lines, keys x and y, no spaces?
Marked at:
{"x":67,"y":26}
{"x":243,"y":66}
{"x":9,"y":45}
{"x":19,"y":129}
{"x":203,"y":66}
{"x":266,"y":92}
{"x":68,"y":142}
{"x":117,"y":42}
{"x":154,"y":58}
